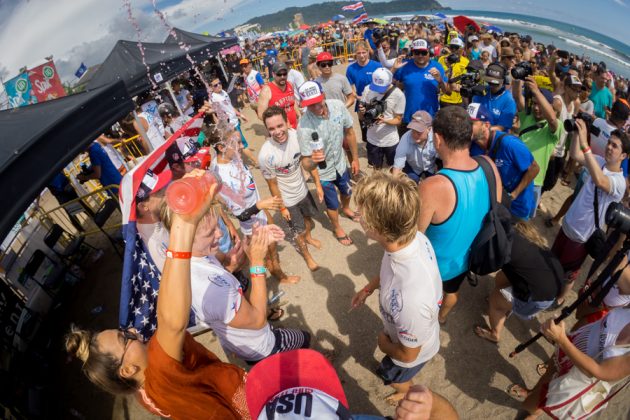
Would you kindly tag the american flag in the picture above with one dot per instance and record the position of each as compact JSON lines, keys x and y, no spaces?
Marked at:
{"x":360,"y":18}
{"x":353,"y":7}
{"x":141,"y":277}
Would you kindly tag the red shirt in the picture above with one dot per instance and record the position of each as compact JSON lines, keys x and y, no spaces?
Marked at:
{"x":284,"y":99}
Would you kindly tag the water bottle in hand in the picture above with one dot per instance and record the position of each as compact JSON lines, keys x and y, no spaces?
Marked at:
{"x":185,"y":195}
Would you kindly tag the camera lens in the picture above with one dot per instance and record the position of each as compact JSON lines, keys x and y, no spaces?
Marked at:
{"x":569,"y":125}
{"x":618,"y":217}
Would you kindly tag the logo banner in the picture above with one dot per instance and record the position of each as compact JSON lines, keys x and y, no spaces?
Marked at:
{"x":19,"y":91}
{"x":46,"y":82}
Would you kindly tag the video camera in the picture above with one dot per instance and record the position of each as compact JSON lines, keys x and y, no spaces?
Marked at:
{"x":373,"y":109}
{"x":471,"y":83}
{"x":618,"y":217}
{"x":570,"y":126}
{"x":522,"y":70}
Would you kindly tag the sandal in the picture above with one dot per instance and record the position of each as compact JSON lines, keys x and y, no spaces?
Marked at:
{"x":541,"y":369}
{"x":517,"y":392}
{"x":275,"y":314}
{"x":344,"y":238}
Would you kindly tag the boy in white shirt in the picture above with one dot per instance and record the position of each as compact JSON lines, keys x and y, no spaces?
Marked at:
{"x":409,"y":280}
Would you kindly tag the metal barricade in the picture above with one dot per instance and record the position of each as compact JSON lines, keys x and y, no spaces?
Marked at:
{"x":130,"y":148}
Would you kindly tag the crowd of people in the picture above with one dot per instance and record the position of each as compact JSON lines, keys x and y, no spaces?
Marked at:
{"x":454,"y":124}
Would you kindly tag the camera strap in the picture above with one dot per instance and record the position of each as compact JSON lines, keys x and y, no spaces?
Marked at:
{"x":387,"y":93}
{"x":536,"y":126}
{"x":596,"y":207}
{"x":497,"y":146}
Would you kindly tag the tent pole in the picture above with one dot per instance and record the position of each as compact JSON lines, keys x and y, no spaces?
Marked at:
{"x":170,"y":90}
{"x":221,"y":65}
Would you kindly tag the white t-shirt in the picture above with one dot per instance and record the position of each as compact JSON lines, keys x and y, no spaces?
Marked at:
{"x":224,"y":105}
{"x":385,"y":135}
{"x":599,"y":143}
{"x":420,"y":158}
{"x":579,"y":223}
{"x":238,"y":189}
{"x":587,"y":107}
{"x":492,"y":51}
{"x":184,"y":103}
{"x":155,"y":237}
{"x":566,"y":112}
{"x":282,"y":161}
{"x":410,"y":297}
{"x":296,"y":78}
{"x":216,"y":298}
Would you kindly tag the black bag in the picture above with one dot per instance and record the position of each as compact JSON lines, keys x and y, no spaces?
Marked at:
{"x":492,"y":247}
{"x":596,"y":244}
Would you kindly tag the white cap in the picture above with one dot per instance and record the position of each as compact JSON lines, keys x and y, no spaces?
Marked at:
{"x":457,"y":41}
{"x":310,"y":93}
{"x":473,"y":38}
{"x":381,"y":80}
{"x":419,"y":44}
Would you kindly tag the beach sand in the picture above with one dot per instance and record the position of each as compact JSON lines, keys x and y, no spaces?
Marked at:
{"x":470,"y":372}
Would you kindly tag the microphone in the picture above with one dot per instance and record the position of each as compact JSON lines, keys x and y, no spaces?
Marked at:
{"x":318,"y":144}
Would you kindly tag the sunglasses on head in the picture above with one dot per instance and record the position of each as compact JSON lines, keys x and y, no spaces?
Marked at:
{"x":282,"y":74}
{"x":325,"y":64}
{"x":420,"y":52}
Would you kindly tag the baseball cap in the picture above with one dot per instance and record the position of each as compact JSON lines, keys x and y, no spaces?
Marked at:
{"x":547,"y":94}
{"x":279,"y":66}
{"x":473,"y":38}
{"x":495,"y":74}
{"x":420,"y":121}
{"x":419,"y":44}
{"x":152,"y":182}
{"x":295,"y":376}
{"x":381,"y":80}
{"x":478,"y":112}
{"x":310,"y":93}
{"x":180,"y":150}
{"x":244,"y":61}
{"x":574,"y":80}
{"x":456,"y":41}
{"x":201,"y":159}
{"x":324,"y":56}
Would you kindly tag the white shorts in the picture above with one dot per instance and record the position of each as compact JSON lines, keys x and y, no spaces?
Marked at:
{"x":247,"y":226}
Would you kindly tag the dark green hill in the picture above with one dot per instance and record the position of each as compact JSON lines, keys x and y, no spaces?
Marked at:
{"x":322,"y":12}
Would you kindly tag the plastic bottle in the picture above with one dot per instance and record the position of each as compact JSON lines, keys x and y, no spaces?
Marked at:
{"x":185,"y":195}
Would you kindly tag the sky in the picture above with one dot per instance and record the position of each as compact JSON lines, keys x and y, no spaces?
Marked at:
{"x":76,"y":31}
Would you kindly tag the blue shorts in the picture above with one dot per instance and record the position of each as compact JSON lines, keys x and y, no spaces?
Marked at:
{"x":391,"y":373}
{"x":342,"y":182}
{"x":243,"y":140}
{"x":522,"y":309}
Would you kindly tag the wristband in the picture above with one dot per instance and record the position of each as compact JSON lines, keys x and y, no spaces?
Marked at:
{"x":178,"y":255}
{"x":255,"y":276}
{"x":283,"y":209}
{"x":587,"y":150}
{"x":257,"y":269}
{"x":368,"y":291}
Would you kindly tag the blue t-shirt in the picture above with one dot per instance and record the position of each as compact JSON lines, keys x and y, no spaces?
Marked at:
{"x":360,"y":77}
{"x":601,"y":99}
{"x":502,"y":108}
{"x":109,"y":173}
{"x":512,"y":159}
{"x":367,"y":35}
{"x":421,"y":88}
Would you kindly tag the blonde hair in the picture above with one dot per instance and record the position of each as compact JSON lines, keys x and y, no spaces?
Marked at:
{"x":102,"y":369}
{"x":361,"y":44}
{"x":528,"y":231}
{"x":389,"y":206}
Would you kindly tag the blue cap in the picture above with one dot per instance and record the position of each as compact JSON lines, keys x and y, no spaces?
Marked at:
{"x":478,"y":112}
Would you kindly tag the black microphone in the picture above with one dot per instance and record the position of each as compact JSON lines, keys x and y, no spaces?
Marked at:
{"x":317,"y":144}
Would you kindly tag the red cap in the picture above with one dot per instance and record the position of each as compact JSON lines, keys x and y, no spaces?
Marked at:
{"x":201,"y":159}
{"x":324,"y":56}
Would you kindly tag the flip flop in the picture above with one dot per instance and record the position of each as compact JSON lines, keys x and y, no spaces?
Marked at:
{"x":344,"y":238}
{"x":513,"y":391}
{"x":479,"y":332}
{"x":275,"y":314}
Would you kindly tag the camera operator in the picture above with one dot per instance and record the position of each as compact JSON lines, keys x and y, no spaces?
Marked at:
{"x":497,"y":100}
{"x":514,"y":161}
{"x":454,"y":65}
{"x":618,"y":116}
{"x":540,"y":127}
{"x":604,"y":178}
{"x":381,"y":110}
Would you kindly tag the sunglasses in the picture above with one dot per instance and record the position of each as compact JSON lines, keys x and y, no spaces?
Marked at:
{"x":127,"y":337}
{"x":216,"y":84}
{"x":420,"y":52}
{"x":282,"y":74}
{"x":325,"y":64}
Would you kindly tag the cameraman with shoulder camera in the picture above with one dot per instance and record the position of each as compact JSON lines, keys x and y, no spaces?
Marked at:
{"x":540,"y":127}
{"x":604,"y":178}
{"x":454,"y":65}
{"x":497,"y":99}
{"x":381,"y":110}
{"x":618,"y":117}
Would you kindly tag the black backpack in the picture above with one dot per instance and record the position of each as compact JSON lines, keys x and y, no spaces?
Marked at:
{"x":492,"y":247}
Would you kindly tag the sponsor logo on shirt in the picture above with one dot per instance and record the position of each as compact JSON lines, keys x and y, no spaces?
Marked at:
{"x":407,"y":336}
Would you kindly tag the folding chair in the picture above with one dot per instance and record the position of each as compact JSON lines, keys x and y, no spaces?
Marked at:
{"x":65,"y":245}
{"x":100,"y":218}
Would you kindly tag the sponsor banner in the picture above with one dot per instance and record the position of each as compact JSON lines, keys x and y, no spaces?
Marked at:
{"x":19,"y":91}
{"x":46,"y":82}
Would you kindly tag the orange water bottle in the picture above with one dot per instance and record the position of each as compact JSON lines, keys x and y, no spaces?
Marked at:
{"x":186,"y":194}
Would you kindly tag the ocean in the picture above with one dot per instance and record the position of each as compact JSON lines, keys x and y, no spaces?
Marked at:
{"x":598,"y":47}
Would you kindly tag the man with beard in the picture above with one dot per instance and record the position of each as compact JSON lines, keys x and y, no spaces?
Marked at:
{"x":279,"y":93}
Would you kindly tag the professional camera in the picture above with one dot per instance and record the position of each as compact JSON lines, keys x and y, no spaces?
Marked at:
{"x":378,"y":34}
{"x":470,"y":82}
{"x":618,"y":217}
{"x":452,"y":58}
{"x":373,"y":109}
{"x":570,"y":126}
{"x":522,"y":70}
